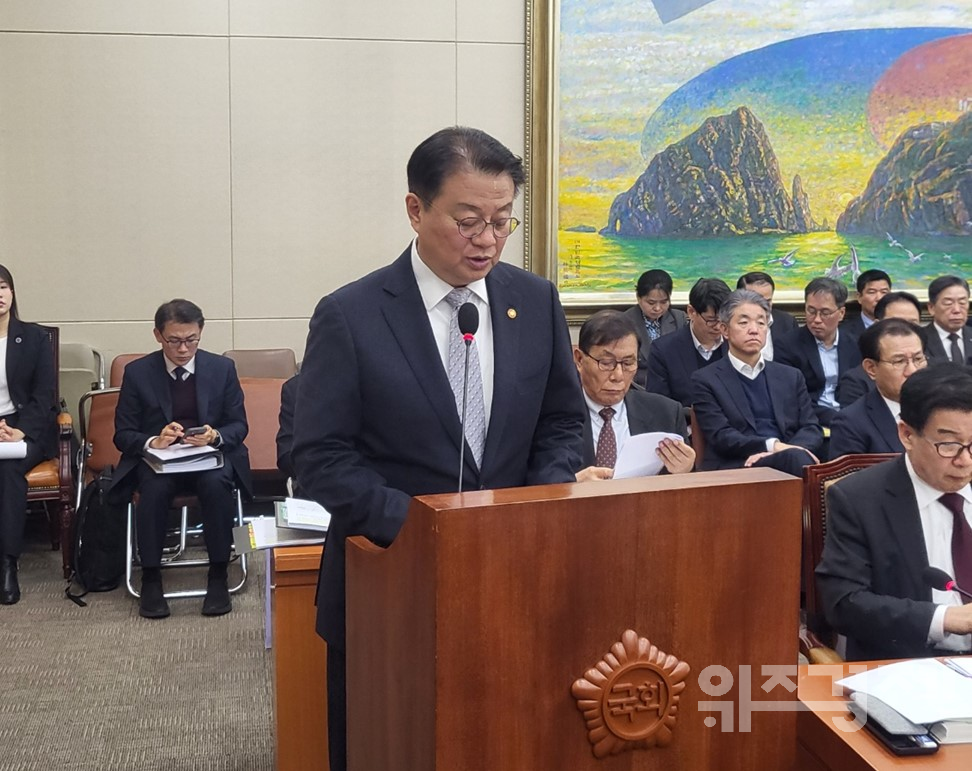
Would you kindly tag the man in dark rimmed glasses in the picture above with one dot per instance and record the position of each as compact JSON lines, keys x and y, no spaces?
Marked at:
{"x":182,"y":395}
{"x":378,"y":409}
{"x":607,"y":360}
{"x":888,"y":523}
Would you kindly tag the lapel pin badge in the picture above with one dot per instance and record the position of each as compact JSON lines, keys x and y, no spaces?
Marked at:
{"x":18,"y":339}
{"x":511,"y":313}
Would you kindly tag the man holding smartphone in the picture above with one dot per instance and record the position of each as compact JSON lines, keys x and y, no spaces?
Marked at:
{"x":181,"y":394}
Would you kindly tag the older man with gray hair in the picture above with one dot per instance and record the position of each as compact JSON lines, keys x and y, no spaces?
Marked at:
{"x":753,"y":412}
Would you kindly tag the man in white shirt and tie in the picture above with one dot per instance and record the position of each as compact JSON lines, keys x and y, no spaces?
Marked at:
{"x":947,"y":338}
{"x":888,"y":523}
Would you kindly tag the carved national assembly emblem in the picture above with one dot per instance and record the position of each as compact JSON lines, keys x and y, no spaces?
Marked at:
{"x":630,"y":698}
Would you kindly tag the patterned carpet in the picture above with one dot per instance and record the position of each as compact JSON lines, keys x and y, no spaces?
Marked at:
{"x":99,"y":688}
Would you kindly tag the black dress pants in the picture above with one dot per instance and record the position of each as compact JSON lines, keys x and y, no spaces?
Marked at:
{"x":214,"y":488}
{"x":13,"y":499}
{"x":337,"y":709}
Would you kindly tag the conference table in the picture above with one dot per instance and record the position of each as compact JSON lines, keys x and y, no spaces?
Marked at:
{"x":821,"y":744}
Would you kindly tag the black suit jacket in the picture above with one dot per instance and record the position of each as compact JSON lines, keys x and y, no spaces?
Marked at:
{"x":727,"y":422}
{"x":32,"y":383}
{"x":145,"y":407}
{"x":934,"y":349}
{"x":873,"y":558}
{"x":854,"y":326}
{"x":865,"y":426}
{"x":672,"y":320}
{"x":800,"y":350}
{"x":783,"y":324}
{"x":671,"y":362}
{"x":376,"y":420}
{"x":285,"y":433}
{"x":646,"y":413}
{"x":853,"y":384}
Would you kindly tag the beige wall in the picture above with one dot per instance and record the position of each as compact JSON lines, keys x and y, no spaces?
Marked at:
{"x":246,"y":154}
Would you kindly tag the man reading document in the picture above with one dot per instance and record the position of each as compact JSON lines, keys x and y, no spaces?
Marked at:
{"x":378,"y":407}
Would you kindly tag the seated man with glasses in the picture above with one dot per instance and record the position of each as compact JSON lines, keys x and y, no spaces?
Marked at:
{"x":818,"y":349}
{"x":607,"y":359}
{"x":948,"y":338}
{"x":753,"y":412}
{"x":163,"y":396}
{"x":673,"y":358}
{"x":893,"y":351}
{"x":888,"y":523}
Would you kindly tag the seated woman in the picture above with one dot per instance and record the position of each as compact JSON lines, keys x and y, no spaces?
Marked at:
{"x":27,"y":414}
{"x":653,"y":315}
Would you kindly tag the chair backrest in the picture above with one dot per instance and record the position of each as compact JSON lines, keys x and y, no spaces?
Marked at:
{"x":83,"y":356}
{"x":262,"y":400}
{"x":816,"y":479}
{"x":264,"y":362}
{"x":118,"y":365}
{"x":96,"y":413}
{"x":54,"y":334}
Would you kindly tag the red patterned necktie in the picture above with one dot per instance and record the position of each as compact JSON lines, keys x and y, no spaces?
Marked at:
{"x":607,"y":442}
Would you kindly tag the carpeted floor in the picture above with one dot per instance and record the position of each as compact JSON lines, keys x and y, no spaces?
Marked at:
{"x":99,"y":688}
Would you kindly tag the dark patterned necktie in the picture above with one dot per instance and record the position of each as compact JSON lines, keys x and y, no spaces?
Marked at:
{"x":180,"y":373}
{"x":653,"y":327}
{"x":961,"y":539}
{"x":956,"y":351}
{"x":607,"y":442}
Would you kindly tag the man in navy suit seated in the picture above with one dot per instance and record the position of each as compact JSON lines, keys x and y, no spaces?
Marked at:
{"x":607,"y":359}
{"x":753,"y":412}
{"x":781,"y":323}
{"x":872,"y":285}
{"x":818,"y":349}
{"x":892,"y":351}
{"x":886,"y":524}
{"x":947,"y":338}
{"x":854,"y":383}
{"x":163,"y":396}
{"x":673,"y":358}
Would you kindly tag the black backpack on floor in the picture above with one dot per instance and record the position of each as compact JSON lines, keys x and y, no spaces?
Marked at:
{"x":99,"y":540}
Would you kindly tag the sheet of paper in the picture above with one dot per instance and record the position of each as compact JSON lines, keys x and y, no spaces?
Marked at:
{"x":923,"y":690}
{"x":298,"y":512}
{"x":13,"y":450}
{"x":638,"y":457}
{"x":178,"y":451}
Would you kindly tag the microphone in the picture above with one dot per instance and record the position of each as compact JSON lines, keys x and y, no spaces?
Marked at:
{"x":937,"y":578}
{"x":468,"y":324}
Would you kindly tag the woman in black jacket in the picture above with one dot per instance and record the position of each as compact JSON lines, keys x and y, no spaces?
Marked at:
{"x":28,"y":416}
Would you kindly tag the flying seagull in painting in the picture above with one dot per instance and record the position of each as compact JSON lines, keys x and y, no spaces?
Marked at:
{"x":947,"y":257}
{"x":892,"y":241}
{"x":836,"y":270}
{"x":912,"y":257}
{"x":855,"y":266}
{"x":787,"y":260}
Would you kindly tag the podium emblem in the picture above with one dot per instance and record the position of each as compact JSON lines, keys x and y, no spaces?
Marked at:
{"x":630,"y":698}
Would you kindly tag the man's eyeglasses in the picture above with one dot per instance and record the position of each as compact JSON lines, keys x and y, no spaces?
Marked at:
{"x":949,"y":449}
{"x":710,"y":321}
{"x":178,"y":342}
{"x":824,"y":313}
{"x":470,"y":227}
{"x":609,"y":365}
{"x":900,"y":362}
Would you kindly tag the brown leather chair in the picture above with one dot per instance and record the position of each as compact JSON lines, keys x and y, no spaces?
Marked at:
{"x":261,"y":397}
{"x":118,"y":365}
{"x":697,"y":438}
{"x":264,"y":362}
{"x":52,"y":480}
{"x":817,"y":637}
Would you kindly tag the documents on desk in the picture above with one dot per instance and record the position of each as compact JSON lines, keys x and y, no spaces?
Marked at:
{"x":302,"y":514}
{"x":263,"y":533}
{"x":926,"y":691}
{"x":182,"y":458}
{"x":638,"y":457}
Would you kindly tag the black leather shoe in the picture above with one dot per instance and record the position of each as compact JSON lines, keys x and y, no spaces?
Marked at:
{"x":9,"y":586}
{"x":152,"y":603}
{"x":217,"y":602}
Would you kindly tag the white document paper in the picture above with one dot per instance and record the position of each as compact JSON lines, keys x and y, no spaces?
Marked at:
{"x":923,"y":690}
{"x":638,"y":457}
{"x":301,"y":513}
{"x":263,"y":533}
{"x":176,"y":452}
{"x":13,"y":450}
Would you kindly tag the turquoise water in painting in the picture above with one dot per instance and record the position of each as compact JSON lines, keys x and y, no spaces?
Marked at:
{"x":592,"y":263}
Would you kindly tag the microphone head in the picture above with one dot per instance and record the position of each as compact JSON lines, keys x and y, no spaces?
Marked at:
{"x":468,"y":319}
{"x":937,"y":578}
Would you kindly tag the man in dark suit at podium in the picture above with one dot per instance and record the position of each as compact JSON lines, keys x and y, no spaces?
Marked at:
{"x":888,"y":523}
{"x":607,"y":359}
{"x":378,"y":406}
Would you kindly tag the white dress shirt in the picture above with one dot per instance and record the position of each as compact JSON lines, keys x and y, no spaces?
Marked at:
{"x":434,"y":291}
{"x":936,"y":525}
{"x":7,"y":407}
{"x":946,"y":343}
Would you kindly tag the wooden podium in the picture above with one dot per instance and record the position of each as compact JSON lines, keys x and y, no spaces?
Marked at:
{"x":466,"y":636}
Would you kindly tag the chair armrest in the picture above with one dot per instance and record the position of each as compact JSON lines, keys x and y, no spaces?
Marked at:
{"x":65,"y":423}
